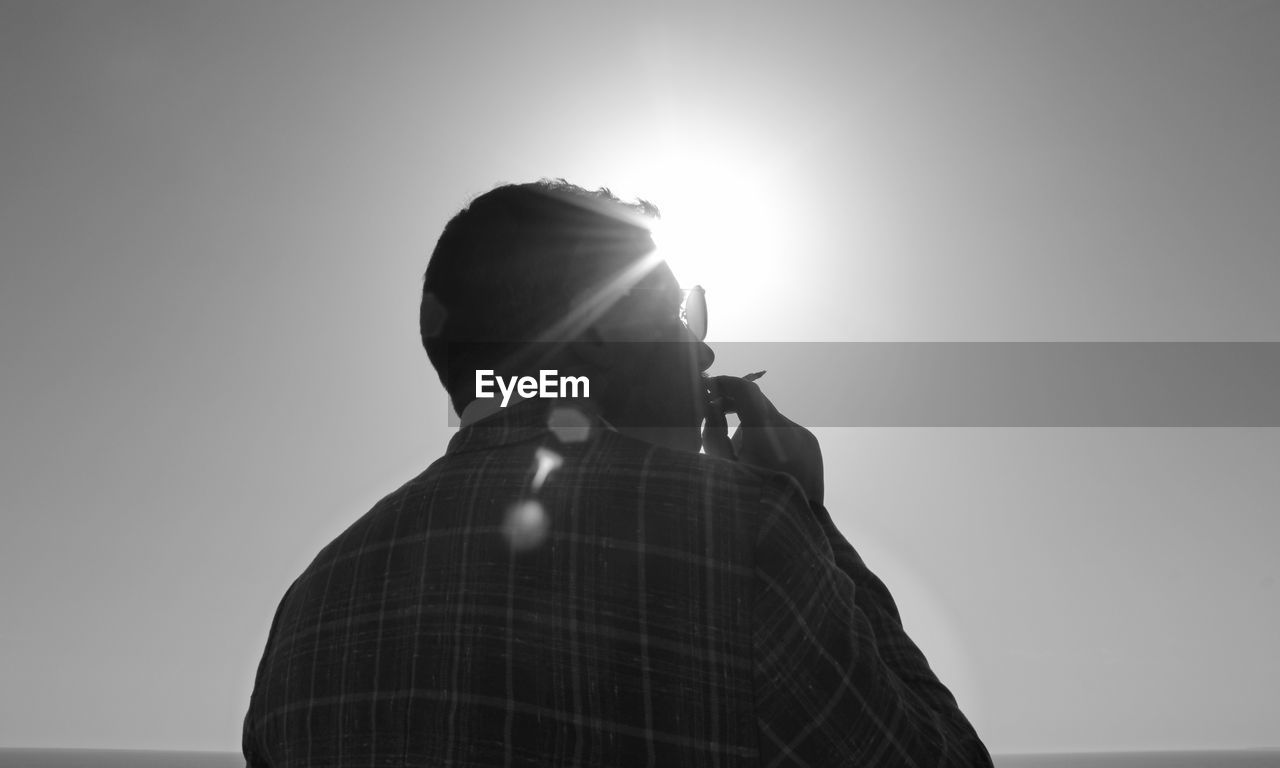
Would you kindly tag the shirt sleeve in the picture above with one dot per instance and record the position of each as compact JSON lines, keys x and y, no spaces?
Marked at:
{"x":250,"y":741}
{"x":838,"y":681}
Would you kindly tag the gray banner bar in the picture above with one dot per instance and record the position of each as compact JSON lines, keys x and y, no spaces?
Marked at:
{"x":1017,"y":384}
{"x":1013,"y":384}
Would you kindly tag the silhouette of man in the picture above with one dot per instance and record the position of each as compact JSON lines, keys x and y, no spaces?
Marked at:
{"x":572,"y":583}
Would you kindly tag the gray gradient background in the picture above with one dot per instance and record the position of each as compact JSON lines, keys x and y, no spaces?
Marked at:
{"x":214,"y":218}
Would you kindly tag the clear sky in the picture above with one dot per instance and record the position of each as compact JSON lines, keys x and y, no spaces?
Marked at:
{"x":214,"y":218}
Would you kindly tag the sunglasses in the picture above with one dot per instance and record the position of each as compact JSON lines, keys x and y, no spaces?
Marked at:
{"x":693,"y":311}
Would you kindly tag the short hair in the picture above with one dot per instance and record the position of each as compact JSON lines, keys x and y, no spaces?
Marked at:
{"x":513,"y":262}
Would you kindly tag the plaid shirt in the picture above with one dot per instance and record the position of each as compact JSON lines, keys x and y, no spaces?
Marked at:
{"x":657,"y":609}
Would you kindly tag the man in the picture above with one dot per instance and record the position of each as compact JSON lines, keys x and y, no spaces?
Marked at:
{"x":573,"y":583}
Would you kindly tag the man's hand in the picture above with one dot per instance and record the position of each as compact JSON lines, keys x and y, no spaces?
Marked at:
{"x":765,"y":438}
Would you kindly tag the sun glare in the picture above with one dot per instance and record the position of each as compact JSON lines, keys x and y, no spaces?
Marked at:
{"x":721,"y":227}
{"x":712,"y":222}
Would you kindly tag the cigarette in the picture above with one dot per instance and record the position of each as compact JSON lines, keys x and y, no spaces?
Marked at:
{"x":754,"y":376}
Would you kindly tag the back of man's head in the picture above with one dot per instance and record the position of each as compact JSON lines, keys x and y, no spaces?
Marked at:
{"x":513,"y":263}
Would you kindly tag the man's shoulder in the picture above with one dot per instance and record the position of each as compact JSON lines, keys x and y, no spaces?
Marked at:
{"x":363,"y":531}
{"x":609,"y":467}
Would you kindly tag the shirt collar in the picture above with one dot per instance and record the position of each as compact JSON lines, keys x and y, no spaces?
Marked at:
{"x":526,"y":420}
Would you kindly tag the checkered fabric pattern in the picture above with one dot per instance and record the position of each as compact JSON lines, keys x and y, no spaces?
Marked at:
{"x":666,"y":609}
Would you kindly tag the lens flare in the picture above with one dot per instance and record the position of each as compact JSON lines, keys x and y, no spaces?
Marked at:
{"x":526,"y":525}
{"x":569,"y":425}
{"x":545,"y":462}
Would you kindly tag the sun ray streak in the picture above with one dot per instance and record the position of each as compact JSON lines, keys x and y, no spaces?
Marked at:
{"x":593,"y":305}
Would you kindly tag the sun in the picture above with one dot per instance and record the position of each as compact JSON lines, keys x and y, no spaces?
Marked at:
{"x":722,"y":225}
{"x":715,"y":219}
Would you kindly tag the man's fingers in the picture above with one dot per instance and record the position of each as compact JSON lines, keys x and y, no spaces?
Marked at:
{"x":745,"y":399}
{"x":765,"y":438}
